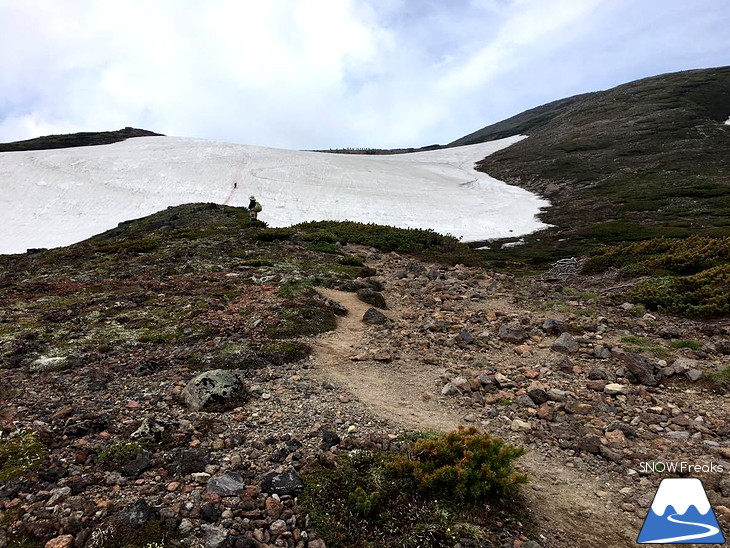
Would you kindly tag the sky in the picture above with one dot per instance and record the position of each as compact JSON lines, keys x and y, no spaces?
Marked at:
{"x":319,"y":74}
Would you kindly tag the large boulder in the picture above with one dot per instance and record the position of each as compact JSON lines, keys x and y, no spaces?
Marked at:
{"x":216,"y":388}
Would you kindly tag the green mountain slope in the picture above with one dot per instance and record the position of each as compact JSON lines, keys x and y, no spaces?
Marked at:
{"x":82,"y":139}
{"x":648,"y":158}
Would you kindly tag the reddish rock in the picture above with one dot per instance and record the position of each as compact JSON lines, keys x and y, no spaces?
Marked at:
{"x":273,"y":508}
{"x":64,"y":541}
{"x":597,"y":385}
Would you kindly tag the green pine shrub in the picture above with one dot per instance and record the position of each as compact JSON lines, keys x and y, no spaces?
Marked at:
{"x":418,"y":496}
{"x":463,"y":465}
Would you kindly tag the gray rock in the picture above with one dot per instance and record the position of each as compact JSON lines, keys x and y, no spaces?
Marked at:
{"x":278,"y":527}
{"x":371,"y":297}
{"x":373,"y":316}
{"x":289,"y":483}
{"x":228,"y":485}
{"x":213,"y":387}
{"x":513,"y":333}
{"x":449,"y":390}
{"x":694,"y":374}
{"x":682,"y":365}
{"x":215,"y":537}
{"x":461,"y":384}
{"x":465,"y":337}
{"x":601,"y":352}
{"x":551,"y":326}
{"x":725,"y":487}
{"x":566,"y":344}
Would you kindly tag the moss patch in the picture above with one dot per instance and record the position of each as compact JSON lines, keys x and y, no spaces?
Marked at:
{"x":19,"y":455}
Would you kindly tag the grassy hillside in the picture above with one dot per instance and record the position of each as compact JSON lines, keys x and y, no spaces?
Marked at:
{"x":76,"y":139}
{"x":649,"y":158}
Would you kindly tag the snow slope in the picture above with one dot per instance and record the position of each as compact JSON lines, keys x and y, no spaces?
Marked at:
{"x":53,"y":198}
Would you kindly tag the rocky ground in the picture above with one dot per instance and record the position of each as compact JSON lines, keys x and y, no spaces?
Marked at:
{"x":202,"y":444}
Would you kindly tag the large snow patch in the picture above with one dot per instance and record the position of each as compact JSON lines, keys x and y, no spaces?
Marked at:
{"x":52,"y":198}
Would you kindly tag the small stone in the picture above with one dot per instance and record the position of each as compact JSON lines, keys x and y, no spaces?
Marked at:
{"x":288,"y":483}
{"x":278,"y":527}
{"x":228,"y":485}
{"x":597,"y":385}
{"x":449,"y":390}
{"x":518,"y":425}
{"x":371,"y":297}
{"x":373,"y":316}
{"x":173,"y":486}
{"x":523,"y":350}
{"x":614,"y":389}
{"x":513,"y":333}
{"x":566,"y":344}
{"x":274,"y":508}
{"x":64,"y":541}
{"x":694,"y":374}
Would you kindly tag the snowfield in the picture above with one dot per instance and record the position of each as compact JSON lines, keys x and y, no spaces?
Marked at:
{"x":58,"y":197}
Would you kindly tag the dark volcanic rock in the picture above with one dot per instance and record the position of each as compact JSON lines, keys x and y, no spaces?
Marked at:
{"x":371,"y":297}
{"x":288,"y":483}
{"x":228,"y":485}
{"x":374,"y":316}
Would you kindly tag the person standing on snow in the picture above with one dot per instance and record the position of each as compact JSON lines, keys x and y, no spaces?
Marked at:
{"x":254,"y":207}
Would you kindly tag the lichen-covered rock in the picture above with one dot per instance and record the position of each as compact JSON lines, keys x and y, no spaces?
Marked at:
{"x":216,"y":387}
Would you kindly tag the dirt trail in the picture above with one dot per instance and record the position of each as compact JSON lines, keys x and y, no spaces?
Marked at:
{"x":564,"y":501}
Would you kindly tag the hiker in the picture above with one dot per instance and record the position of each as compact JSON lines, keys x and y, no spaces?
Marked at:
{"x":254,"y":207}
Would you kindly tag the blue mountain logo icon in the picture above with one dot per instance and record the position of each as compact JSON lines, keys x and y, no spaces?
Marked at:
{"x":680,"y":514}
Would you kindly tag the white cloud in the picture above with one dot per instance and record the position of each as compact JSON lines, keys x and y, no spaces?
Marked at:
{"x":320,"y":73}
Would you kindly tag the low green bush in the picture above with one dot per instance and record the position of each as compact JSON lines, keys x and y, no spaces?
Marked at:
{"x":417,"y":497}
{"x":690,"y":276}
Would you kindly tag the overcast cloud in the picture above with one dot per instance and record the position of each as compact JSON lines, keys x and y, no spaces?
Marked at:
{"x":330,"y":73}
